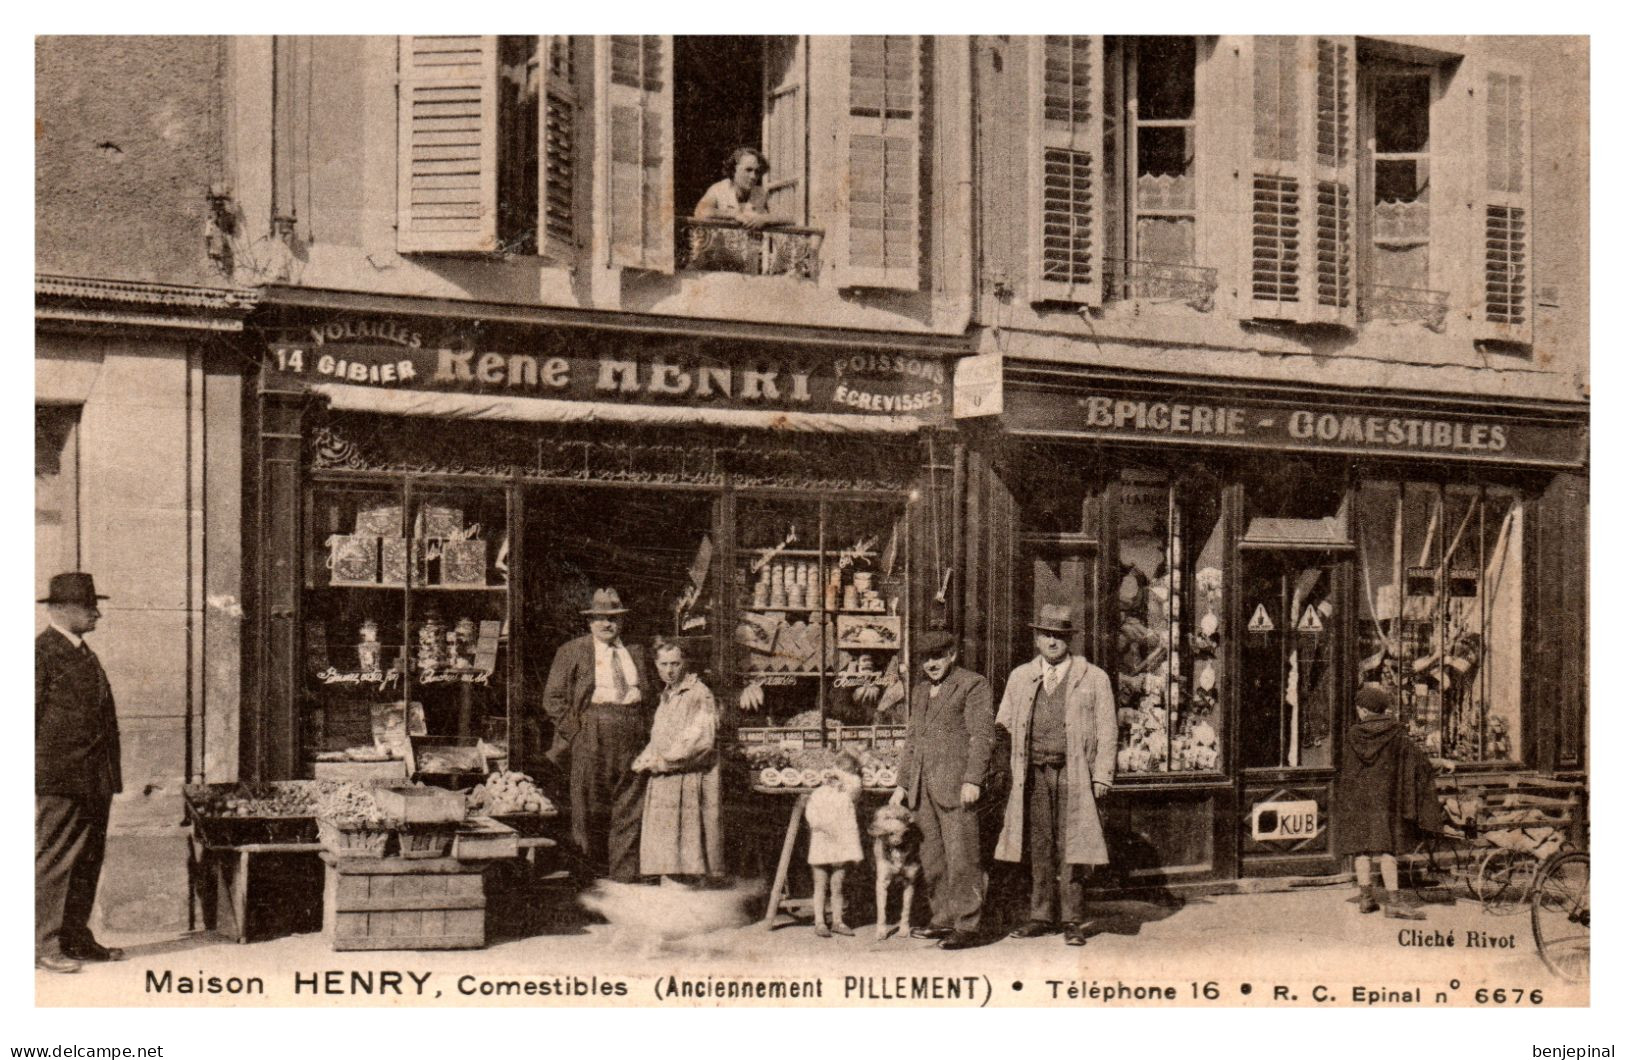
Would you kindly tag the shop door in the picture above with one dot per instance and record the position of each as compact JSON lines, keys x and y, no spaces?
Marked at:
{"x":1292,"y":676}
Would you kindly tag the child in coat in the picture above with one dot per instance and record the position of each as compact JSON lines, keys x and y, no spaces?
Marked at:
{"x":833,"y":844}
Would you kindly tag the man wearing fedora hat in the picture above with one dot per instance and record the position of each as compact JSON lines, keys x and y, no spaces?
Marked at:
{"x":76,"y":775}
{"x":1062,"y":720}
{"x":946,"y":753}
{"x":596,"y":696}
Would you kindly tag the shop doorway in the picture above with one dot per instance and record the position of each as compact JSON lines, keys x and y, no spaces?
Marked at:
{"x":1294,"y":672}
{"x":652,"y":546}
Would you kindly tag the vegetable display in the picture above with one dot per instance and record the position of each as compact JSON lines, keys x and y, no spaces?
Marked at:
{"x":507,"y":792}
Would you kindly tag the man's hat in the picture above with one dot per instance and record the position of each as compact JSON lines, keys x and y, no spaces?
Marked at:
{"x":934,"y":642}
{"x":1055,"y":618}
{"x":1374,"y":699}
{"x":605,"y":602}
{"x":73,"y":587}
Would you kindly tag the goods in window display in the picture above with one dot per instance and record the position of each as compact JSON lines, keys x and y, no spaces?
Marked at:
{"x":462,"y":562}
{"x":352,"y":559}
{"x":431,"y":644}
{"x":396,"y":559}
{"x":878,"y":631}
{"x":440,"y":522}
{"x":369,"y":653}
{"x":383,"y":520}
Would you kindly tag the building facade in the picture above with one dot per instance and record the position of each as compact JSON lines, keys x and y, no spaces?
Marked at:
{"x":1267,"y":355}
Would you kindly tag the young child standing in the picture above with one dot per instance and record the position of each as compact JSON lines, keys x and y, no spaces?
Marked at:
{"x":1384,"y":794}
{"x":833,"y":845}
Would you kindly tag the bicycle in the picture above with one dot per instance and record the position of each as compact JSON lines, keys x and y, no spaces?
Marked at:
{"x":1560,"y":915}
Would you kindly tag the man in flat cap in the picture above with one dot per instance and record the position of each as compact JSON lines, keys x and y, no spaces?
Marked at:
{"x":943,"y":772}
{"x":1062,"y":720}
{"x":76,"y":775}
{"x":597,"y":696}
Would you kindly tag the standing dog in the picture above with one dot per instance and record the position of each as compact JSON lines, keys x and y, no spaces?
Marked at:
{"x":897,"y":858}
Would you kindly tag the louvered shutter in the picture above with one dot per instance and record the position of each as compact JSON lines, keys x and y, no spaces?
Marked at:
{"x":1333,"y":167}
{"x":1273,"y":182}
{"x":447,"y":150}
{"x":784,"y":127}
{"x":556,"y":228}
{"x":879,"y":139}
{"x":1502,"y":229}
{"x":1065,"y":152}
{"x":635,"y":90}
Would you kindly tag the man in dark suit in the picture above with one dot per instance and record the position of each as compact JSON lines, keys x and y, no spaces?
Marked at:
{"x":944,"y":770}
{"x":76,"y":775}
{"x":597,"y":696}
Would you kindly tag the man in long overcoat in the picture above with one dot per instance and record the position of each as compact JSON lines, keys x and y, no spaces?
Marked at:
{"x":944,"y":769}
{"x":76,"y":775}
{"x":598,"y":697}
{"x":1062,"y":720}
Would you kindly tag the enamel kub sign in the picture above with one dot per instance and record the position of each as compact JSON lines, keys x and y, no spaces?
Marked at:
{"x":1286,"y":822}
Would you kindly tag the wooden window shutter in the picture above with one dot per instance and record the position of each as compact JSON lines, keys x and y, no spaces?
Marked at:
{"x":879,"y":139}
{"x":635,"y":90}
{"x":1273,"y":187}
{"x":1333,"y":168}
{"x":1503,"y":231}
{"x":784,"y":127}
{"x":556,"y":228}
{"x":1066,"y":102}
{"x":447,"y":151}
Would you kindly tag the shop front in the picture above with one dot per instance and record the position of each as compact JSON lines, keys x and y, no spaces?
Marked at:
{"x":1245,"y":558}
{"x":434,"y":501}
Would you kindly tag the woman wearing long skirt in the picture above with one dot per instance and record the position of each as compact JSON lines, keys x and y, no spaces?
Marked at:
{"x":682,"y":801}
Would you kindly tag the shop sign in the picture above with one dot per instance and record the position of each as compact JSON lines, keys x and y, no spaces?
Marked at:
{"x":1286,"y":822}
{"x":1260,"y":622}
{"x":389,"y":356}
{"x":979,"y":386}
{"x":1282,"y":425}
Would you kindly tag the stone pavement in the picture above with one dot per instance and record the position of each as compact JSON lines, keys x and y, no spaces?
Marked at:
{"x":1239,"y":949}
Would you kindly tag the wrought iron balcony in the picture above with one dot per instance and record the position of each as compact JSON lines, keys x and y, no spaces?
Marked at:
{"x":721,"y":245}
{"x":1399,"y":304}
{"x":1155,"y":281}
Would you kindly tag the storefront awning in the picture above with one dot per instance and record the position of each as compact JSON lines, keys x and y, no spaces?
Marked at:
{"x":351,"y":398}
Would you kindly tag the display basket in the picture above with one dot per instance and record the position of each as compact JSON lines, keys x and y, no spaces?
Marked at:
{"x":425,"y":841}
{"x":217,"y":826}
{"x":344,"y":840}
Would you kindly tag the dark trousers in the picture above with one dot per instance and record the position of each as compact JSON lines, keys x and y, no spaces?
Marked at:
{"x":70,"y":837}
{"x":606,"y":797}
{"x":1046,"y":847}
{"x":951,"y":855}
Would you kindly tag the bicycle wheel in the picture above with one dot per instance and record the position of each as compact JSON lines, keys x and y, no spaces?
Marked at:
{"x":1503,"y":880}
{"x":1560,"y":908}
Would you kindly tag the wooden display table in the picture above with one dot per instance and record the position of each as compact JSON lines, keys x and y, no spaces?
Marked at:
{"x":404,"y":903}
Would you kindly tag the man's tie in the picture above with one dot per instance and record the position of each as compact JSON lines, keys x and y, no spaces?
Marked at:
{"x":1050,"y":679}
{"x":618,"y":675}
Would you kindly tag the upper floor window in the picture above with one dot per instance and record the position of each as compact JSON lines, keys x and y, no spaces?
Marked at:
{"x":1396,"y":113}
{"x":1116,"y":201}
{"x":494,"y":134}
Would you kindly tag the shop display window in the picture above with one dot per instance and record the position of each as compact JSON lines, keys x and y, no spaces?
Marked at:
{"x":820,"y":636}
{"x":1169,"y":585}
{"x":406,"y":628}
{"x":1441,"y":612}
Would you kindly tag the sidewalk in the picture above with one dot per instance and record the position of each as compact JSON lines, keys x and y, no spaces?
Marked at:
{"x":1269,"y":948}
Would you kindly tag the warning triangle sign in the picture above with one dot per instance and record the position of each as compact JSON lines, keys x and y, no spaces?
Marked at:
{"x":1260,"y":622}
{"x":1311,"y":622}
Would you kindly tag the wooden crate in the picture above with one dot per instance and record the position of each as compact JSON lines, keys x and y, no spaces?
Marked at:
{"x":403,"y":904}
